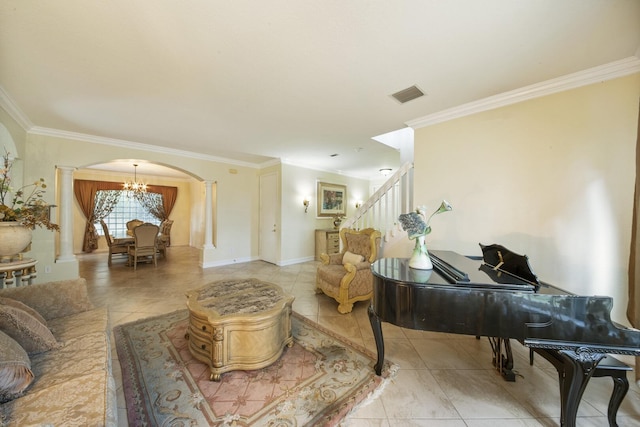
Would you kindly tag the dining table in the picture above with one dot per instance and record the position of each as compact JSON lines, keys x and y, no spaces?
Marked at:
{"x":160,"y":237}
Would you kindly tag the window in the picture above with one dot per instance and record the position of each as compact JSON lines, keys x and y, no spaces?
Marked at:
{"x":126,"y":209}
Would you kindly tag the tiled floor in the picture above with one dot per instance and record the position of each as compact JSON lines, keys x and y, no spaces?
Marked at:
{"x":444,"y":380}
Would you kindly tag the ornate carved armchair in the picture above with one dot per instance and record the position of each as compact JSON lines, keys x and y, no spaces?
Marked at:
{"x":346,"y":277}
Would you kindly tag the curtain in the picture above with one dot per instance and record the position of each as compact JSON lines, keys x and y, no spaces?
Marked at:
{"x":152,"y":202}
{"x":104,"y":202}
{"x":169,"y":196}
{"x":633,"y":308}
{"x":85,"y":192}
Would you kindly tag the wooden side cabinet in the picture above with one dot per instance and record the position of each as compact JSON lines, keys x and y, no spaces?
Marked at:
{"x":328,"y":242}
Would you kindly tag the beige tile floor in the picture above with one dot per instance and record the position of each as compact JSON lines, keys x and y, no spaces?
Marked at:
{"x":444,"y":380}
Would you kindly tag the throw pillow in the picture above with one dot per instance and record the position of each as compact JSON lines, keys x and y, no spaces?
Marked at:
{"x":351,"y":258}
{"x":22,"y":306}
{"x":15,"y":369}
{"x":30,"y":333}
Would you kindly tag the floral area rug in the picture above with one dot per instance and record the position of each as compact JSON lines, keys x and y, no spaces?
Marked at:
{"x":317,"y":381}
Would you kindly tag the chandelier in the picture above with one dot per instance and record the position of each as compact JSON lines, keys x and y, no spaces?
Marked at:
{"x":134,"y":188}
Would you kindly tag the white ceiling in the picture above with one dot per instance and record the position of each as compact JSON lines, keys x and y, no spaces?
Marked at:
{"x":298,"y":81}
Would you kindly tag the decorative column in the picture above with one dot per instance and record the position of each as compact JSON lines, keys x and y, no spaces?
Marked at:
{"x":207,"y":254}
{"x":66,"y":214}
{"x":208,"y":215}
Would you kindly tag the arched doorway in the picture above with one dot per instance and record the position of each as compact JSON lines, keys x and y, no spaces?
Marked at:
{"x":185,"y":213}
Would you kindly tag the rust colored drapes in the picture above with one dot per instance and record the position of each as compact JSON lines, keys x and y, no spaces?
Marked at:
{"x":633,"y":308}
{"x":169,"y":196}
{"x":85,"y":192}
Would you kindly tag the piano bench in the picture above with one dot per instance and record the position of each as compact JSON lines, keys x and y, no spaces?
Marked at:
{"x":617,"y":370}
{"x":609,"y":366}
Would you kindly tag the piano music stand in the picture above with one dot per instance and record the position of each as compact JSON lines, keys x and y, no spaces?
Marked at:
{"x":504,"y":261}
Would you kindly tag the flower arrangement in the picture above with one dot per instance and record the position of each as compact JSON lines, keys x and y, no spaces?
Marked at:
{"x":25,"y":205}
{"x":416,"y":224}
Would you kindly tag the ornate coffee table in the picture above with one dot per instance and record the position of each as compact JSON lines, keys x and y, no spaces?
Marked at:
{"x":238,"y":324}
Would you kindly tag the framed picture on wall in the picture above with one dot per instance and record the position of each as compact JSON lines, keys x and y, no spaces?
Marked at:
{"x":332,"y":199}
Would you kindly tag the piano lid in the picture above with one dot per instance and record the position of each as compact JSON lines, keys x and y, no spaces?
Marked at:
{"x":451,"y":270}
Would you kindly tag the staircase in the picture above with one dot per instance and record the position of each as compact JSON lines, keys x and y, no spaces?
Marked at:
{"x":382,"y":209}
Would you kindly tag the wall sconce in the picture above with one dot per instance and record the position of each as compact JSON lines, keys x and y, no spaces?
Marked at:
{"x":385,"y":171}
{"x":305,"y":203}
{"x":358,"y":204}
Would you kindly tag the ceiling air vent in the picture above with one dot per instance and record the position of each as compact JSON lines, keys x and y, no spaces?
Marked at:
{"x":408,"y":94}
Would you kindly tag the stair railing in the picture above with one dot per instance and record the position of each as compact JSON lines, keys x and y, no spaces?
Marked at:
{"x":382,"y":209}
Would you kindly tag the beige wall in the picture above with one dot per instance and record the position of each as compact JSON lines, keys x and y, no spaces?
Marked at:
{"x":298,"y":228}
{"x":551,"y":178}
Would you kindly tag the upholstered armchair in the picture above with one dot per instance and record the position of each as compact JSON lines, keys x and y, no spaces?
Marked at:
{"x":346,"y":276}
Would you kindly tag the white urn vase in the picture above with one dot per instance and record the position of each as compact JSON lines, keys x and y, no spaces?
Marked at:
{"x":420,"y":258}
{"x":14,"y":238}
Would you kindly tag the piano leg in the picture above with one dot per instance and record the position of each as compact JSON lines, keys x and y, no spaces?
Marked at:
{"x":574,"y":372}
{"x":376,"y":327}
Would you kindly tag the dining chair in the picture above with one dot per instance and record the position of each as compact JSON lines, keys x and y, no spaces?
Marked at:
{"x":145,"y":244}
{"x":162,"y":244}
{"x":116,"y":246}
{"x":133,"y":224}
{"x":165,"y":230}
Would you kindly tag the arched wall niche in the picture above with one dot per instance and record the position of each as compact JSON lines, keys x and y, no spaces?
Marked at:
{"x":8,"y":145}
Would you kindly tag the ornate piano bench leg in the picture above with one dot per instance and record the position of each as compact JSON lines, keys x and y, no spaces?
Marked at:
{"x":617,"y":370}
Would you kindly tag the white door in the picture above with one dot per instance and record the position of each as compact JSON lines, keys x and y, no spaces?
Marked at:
{"x":269,"y":227}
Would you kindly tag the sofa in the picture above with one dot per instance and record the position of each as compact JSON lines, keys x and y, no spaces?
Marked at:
{"x":55,"y":357}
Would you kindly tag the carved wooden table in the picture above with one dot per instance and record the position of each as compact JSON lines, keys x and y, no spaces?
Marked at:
{"x":24,"y":270}
{"x":238,"y":324}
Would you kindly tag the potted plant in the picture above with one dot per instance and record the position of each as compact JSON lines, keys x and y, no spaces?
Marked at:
{"x":21,"y":211}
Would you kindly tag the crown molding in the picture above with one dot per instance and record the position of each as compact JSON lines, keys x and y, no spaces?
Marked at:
{"x":315,"y":168}
{"x":7,"y":103}
{"x":269,"y":163}
{"x":610,"y":71}
{"x":135,"y":145}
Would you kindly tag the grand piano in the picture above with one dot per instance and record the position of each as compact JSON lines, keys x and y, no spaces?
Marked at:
{"x":471,"y":297}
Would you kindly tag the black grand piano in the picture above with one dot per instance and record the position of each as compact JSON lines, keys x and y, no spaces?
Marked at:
{"x":465,"y":296}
